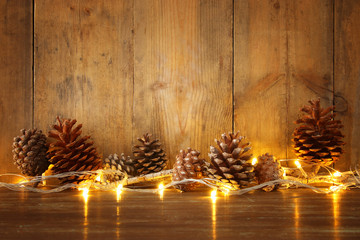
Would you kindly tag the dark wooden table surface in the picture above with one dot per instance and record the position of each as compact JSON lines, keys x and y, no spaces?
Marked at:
{"x":285,"y":214}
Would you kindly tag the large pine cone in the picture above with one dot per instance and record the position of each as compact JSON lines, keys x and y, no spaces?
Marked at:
{"x":71,"y":153}
{"x":149,"y":157}
{"x":187,"y":165}
{"x":29,"y":151}
{"x":230,"y":163}
{"x":318,"y":139}
{"x":122,"y":164}
{"x":268,"y":169}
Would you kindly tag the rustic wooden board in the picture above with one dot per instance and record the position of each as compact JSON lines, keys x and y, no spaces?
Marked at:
{"x":182,"y":74}
{"x":285,"y":214}
{"x":260,"y":75}
{"x":15,"y":76}
{"x":283,"y":58}
{"x":310,"y":57}
{"x":84,"y":68}
{"x":347,"y":77}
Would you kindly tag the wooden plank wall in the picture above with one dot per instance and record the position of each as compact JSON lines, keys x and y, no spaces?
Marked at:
{"x":347,"y":76}
{"x":185,"y":71}
{"x":15,"y":76}
{"x":283,"y":57}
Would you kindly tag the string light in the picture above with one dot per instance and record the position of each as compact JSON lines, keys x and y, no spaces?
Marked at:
{"x":99,"y":176}
{"x":44,"y":181}
{"x":298,"y":165}
{"x":118,"y":192}
{"x":85,"y":193}
{"x":161,"y":190}
{"x":347,"y":179}
{"x":213,"y":195}
{"x":254,"y":161}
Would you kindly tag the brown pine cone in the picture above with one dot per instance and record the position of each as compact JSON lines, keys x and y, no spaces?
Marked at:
{"x":29,"y":152}
{"x":230,"y":163}
{"x":70,"y":153}
{"x":122,"y":164}
{"x":187,"y":165}
{"x":268,"y":169}
{"x":318,"y":139}
{"x":149,"y":157}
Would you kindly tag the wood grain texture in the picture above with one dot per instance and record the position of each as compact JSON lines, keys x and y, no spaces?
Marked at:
{"x":347,"y":77}
{"x":260,"y":74}
{"x":177,"y":68}
{"x":183,"y":62}
{"x":84,"y":68}
{"x":283,"y":58}
{"x":15,"y":76}
{"x":309,"y":57}
{"x":287,"y":214}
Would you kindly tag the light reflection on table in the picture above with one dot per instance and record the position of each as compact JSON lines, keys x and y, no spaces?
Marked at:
{"x":294,"y":213}
{"x":335,"y":201}
{"x":213,"y":215}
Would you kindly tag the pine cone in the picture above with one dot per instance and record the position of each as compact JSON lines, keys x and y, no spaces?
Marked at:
{"x":230,"y":163}
{"x":29,"y":151}
{"x":71,"y":153}
{"x":122,"y":164}
{"x":187,"y":165}
{"x":318,"y":139}
{"x":268,"y":169}
{"x":149,"y":157}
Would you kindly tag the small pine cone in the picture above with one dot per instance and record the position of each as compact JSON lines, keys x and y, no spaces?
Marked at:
{"x":122,"y":164}
{"x":318,"y":139}
{"x":29,"y":151}
{"x":149,"y":157}
{"x":188,"y":165}
{"x":268,"y":169}
{"x":70,"y":153}
{"x":230,"y":162}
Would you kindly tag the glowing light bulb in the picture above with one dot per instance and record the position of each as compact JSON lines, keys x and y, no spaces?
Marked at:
{"x":99,"y":176}
{"x":254,"y":161}
{"x":85,"y":193}
{"x":337,"y":174}
{"x":161,"y":190}
{"x":22,"y":182}
{"x":225,"y":191}
{"x":44,"y":181}
{"x":118,"y":192}
{"x":213,"y":195}
{"x":284,"y":174}
{"x":297,"y":163}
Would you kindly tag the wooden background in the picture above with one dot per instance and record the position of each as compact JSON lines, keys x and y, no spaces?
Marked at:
{"x":184,"y":70}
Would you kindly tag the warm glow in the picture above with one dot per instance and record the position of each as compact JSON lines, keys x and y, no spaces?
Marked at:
{"x":284,"y":173}
{"x":161,"y":190}
{"x":44,"y":181}
{"x":225,"y":191}
{"x":297,"y":163}
{"x":213,"y":195}
{"x":336,"y":212}
{"x":118,"y":192}
{"x":337,"y":174}
{"x":85,"y":194}
{"x":254,"y":161}
{"x":23,"y":181}
{"x":99,"y":176}
{"x":335,"y":188}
